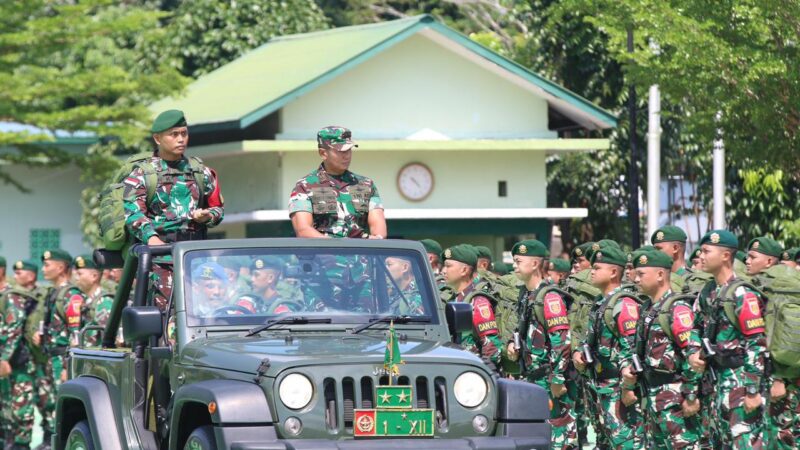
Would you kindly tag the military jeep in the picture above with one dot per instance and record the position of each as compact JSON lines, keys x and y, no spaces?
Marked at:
{"x":288,"y":344}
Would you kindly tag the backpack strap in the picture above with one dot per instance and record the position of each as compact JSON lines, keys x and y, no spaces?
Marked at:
{"x":608,"y":311}
{"x":665,"y":312}
{"x":198,"y":173}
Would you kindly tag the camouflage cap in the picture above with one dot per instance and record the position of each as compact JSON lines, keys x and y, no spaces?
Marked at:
{"x":57,"y":254}
{"x":209,"y":271}
{"x":766,"y":246}
{"x":335,"y":138}
{"x":168,"y":119}
{"x":560,"y":265}
{"x":267,"y":262}
{"x":668,"y":233}
{"x":529,"y":247}
{"x":484,"y":252}
{"x":431,"y":246}
{"x":651,"y":257}
{"x":463,"y":253}
{"x":84,"y":262}
{"x":610,"y":255}
{"x":720,"y":238}
{"x":28,"y":265}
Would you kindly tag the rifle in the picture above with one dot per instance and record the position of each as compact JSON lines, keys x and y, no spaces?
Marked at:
{"x":708,"y":354}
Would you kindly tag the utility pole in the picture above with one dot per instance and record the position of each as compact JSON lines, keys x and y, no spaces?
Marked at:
{"x":653,"y":160}
{"x":633,"y":173}
{"x":718,"y":179}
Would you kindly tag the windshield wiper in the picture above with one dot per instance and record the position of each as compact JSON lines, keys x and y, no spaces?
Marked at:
{"x":387,"y":319}
{"x":285,"y":319}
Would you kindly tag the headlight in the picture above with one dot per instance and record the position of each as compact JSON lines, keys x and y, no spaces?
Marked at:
{"x":470,"y":389}
{"x":295,"y":391}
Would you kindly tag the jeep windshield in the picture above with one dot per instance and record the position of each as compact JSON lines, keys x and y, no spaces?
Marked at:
{"x":253,"y":286}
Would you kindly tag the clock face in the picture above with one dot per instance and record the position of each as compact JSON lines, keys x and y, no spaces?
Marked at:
{"x":415,"y":181}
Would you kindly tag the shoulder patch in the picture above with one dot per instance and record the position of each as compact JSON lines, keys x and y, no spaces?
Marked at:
{"x":483,"y":316}
{"x":751,"y":320}
{"x":682,"y":323}
{"x":555,"y":312}
{"x":628,"y":316}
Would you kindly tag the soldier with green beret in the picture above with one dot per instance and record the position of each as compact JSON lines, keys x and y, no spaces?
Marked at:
{"x":558,"y":270}
{"x":97,"y":308}
{"x":459,"y":268}
{"x":609,"y":340}
{"x":484,"y":257}
{"x":580,"y":260}
{"x":545,"y":344}
{"x":762,"y":253}
{"x":667,"y":337}
{"x":170,"y":197}
{"x":694,"y":258}
{"x":789,"y":257}
{"x":267,"y":295}
{"x":333,"y":202}
{"x":737,"y":334}
{"x":433,"y":249}
{"x":672,"y":241}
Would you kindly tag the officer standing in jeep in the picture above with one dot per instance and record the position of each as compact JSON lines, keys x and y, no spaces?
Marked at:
{"x":332,"y":201}
{"x":184,"y":202}
{"x":734,"y":327}
{"x":544,"y":333}
{"x":16,"y":361}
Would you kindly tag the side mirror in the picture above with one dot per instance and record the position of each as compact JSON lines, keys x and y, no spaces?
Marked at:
{"x":140,"y":323}
{"x":459,"y":319}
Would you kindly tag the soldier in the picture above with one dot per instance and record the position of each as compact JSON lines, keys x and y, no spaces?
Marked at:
{"x":267,"y":296}
{"x":789,"y":257}
{"x":110,"y":279}
{"x":184,"y":203}
{"x":694,"y":258}
{"x":665,"y":338}
{"x":97,"y":308}
{"x":672,"y":241}
{"x":405,"y":297}
{"x":559,"y":270}
{"x":16,"y":362}
{"x":3,"y":281}
{"x":459,"y":272}
{"x":734,"y":326}
{"x":544,"y":330}
{"x":580,"y":261}
{"x":332,"y":201}
{"x":209,"y":282}
{"x":609,"y":341}
{"x":484,"y":258}
{"x":433,"y":249}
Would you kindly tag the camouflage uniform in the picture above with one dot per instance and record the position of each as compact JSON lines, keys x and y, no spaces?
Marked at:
{"x":484,"y":339}
{"x":168,"y":215}
{"x":407,"y":302}
{"x":547,"y":359}
{"x":340,"y":204}
{"x":740,"y":362}
{"x":668,"y":378}
{"x":783,"y":418}
{"x":98,"y":309}
{"x":18,"y":411}
{"x":612,"y":349}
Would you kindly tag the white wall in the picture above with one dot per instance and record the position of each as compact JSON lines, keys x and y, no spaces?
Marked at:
{"x":462,"y":179}
{"x":249,"y":181}
{"x":415,"y":85}
{"x":54,"y":203}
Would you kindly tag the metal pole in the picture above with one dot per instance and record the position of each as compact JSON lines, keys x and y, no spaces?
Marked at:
{"x":633,"y":171}
{"x":718,"y":221}
{"x":653,"y":160}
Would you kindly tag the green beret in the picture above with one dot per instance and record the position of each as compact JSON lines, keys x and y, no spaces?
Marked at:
{"x":668,"y":233}
{"x":651,"y":258}
{"x":581,"y":250}
{"x":431,"y":246}
{"x":267,"y":262}
{"x":610,"y":255}
{"x":84,"y":262}
{"x":602,"y":244}
{"x":57,"y":254}
{"x":28,"y":265}
{"x":529,"y":247}
{"x":766,"y":245}
{"x":560,"y":265}
{"x":500,"y":268}
{"x":720,"y":238}
{"x":741,"y":256}
{"x":168,"y":119}
{"x":484,"y":252}
{"x":463,"y":253}
{"x":790,"y":254}
{"x":233,"y":262}
{"x":695,"y":254}
{"x":3,"y":262}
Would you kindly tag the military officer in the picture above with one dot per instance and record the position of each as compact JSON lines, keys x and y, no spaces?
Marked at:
{"x":666,"y":337}
{"x":789,"y":257}
{"x":267,"y":296}
{"x":544,"y":329}
{"x":736,"y":333}
{"x":99,"y":301}
{"x":405,"y":297}
{"x":332,"y":201}
{"x":433,"y":249}
{"x":672,"y":241}
{"x":460,"y":264}
{"x":558,"y":270}
{"x":484,"y":258}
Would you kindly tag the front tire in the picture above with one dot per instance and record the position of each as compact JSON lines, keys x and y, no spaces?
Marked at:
{"x":202,"y":438}
{"x":80,"y":437}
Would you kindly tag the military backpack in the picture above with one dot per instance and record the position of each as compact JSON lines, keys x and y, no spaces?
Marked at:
{"x":583,"y":296}
{"x":780,"y":285}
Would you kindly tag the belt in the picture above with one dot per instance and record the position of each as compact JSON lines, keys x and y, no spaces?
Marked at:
{"x":655,"y":378}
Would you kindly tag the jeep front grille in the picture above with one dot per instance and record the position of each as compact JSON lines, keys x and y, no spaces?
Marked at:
{"x":343,"y":396}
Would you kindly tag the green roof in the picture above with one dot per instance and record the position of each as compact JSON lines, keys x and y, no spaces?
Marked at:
{"x":265,"y":79}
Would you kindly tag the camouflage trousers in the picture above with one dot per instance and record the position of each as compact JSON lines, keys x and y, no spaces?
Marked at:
{"x":666,"y":427}
{"x":18,"y":406}
{"x":735,"y":427}
{"x":562,"y":416}
{"x":581,"y":415}
{"x":592,"y":412}
{"x":621,"y":425}
{"x":160,"y":285}
{"x":708,"y":433}
{"x":49,"y":383}
{"x":783,"y":420}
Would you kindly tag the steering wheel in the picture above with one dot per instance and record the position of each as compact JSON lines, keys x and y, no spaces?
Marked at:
{"x":231,"y":310}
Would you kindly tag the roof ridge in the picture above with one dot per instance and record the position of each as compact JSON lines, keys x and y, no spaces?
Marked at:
{"x":336,"y":30}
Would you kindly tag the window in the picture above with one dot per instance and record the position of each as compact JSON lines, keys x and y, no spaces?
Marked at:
{"x":43,"y":239}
